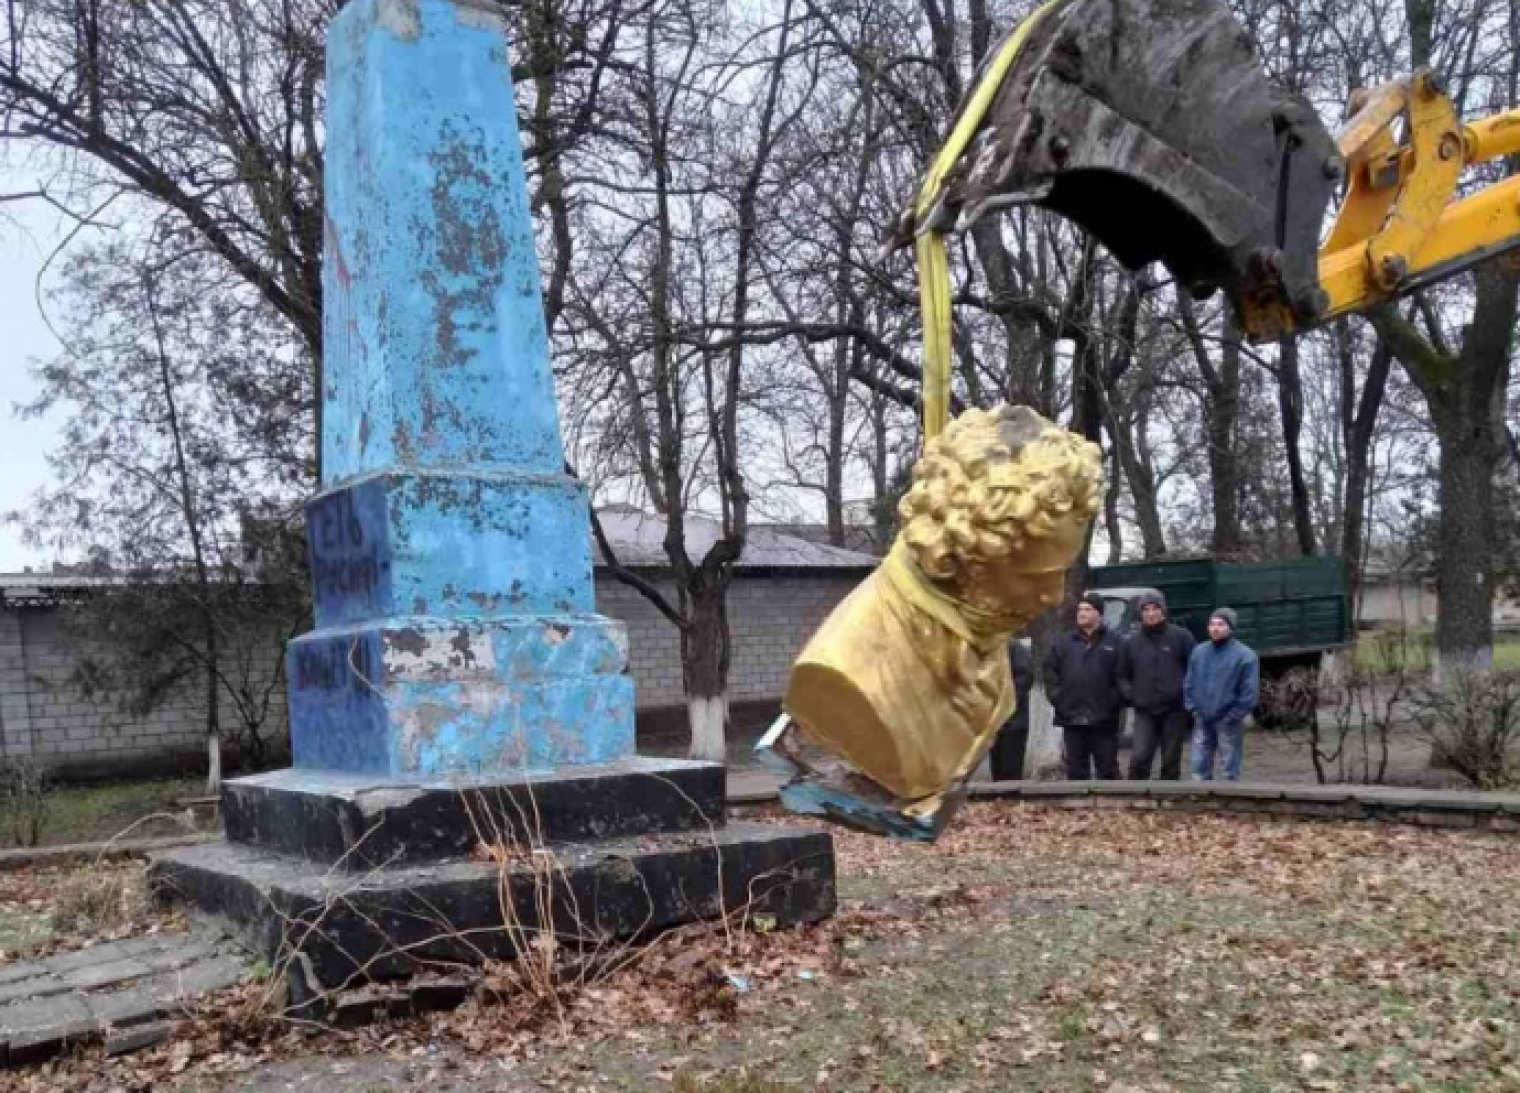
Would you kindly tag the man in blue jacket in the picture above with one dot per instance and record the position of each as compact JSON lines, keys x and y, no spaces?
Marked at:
{"x":1223,"y":680}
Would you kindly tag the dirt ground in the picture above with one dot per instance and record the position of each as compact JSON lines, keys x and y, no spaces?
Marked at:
{"x":1288,"y":759}
{"x":1032,"y":950}
{"x":1270,"y":756}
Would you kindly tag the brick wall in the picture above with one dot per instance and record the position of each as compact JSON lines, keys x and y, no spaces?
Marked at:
{"x":43,"y":715}
{"x":15,"y":712}
{"x":770,"y":618}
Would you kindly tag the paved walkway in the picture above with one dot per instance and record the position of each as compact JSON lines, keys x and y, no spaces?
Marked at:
{"x":119,"y":992}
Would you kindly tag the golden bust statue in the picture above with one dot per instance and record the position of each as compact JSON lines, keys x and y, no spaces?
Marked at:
{"x":908,"y":679}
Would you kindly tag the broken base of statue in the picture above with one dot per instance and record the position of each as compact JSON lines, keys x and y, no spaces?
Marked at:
{"x":830,"y":788}
{"x":341,"y":881}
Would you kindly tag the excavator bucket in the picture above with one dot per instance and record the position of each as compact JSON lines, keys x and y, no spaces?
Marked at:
{"x":1151,"y":124}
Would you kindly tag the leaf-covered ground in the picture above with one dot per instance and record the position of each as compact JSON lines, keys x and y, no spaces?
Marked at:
{"x":54,"y":908}
{"x":1031,"y":950}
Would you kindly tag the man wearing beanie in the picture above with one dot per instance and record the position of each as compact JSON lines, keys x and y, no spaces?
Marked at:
{"x":1153,"y":664}
{"x":1223,"y":680}
{"x":1081,"y":680}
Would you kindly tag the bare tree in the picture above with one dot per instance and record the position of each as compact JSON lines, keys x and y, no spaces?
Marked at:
{"x":158,"y":468}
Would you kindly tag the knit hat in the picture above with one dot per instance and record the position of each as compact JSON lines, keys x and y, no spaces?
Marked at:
{"x":1227,"y":614}
{"x":1150,"y":599}
{"x":1093,"y":600}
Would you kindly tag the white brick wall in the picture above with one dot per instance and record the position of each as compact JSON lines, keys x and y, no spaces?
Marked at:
{"x":15,"y":710}
{"x":42,"y":714}
{"x":770,"y":619}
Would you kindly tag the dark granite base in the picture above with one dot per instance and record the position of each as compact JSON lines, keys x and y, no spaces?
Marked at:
{"x":360,"y":821}
{"x":393,"y":922}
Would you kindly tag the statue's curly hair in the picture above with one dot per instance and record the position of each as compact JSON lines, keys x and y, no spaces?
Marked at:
{"x":991,"y":483}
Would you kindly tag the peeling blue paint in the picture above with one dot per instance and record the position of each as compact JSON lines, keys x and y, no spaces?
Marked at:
{"x":451,"y":545}
{"x":430,"y":279}
{"x":451,"y":556}
{"x":423,"y":695}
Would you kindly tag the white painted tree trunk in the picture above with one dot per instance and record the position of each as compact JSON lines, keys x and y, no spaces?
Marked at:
{"x":1043,"y":753}
{"x":708,"y":716}
{"x":213,"y":764}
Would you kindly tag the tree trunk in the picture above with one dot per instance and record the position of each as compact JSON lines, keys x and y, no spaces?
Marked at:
{"x":1290,"y":402}
{"x":884,"y":497}
{"x":1464,"y":393}
{"x":1131,"y":462}
{"x":1112,"y":523}
{"x":213,"y":718}
{"x":704,"y":653}
{"x":1221,"y":412}
{"x":1359,"y":417}
{"x":1464,"y":579}
{"x":1224,"y":462}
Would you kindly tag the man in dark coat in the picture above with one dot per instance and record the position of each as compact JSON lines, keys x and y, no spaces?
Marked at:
{"x":1152,"y":668}
{"x":1013,"y":739}
{"x":1081,"y":680}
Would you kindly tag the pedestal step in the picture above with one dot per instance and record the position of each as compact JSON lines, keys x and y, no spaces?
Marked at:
{"x":358,"y":822}
{"x":396,"y":921}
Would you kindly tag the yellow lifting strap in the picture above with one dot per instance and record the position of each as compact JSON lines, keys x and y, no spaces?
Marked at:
{"x":933,"y":262}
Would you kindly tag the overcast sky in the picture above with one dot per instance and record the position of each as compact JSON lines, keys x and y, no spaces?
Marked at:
{"x":28,"y":233}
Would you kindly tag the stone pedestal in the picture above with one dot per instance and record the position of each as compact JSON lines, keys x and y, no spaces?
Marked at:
{"x":461,"y":719}
{"x":339,"y":880}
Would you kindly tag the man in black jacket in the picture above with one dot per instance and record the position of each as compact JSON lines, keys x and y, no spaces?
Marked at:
{"x":1152,"y":667}
{"x":1013,"y":738}
{"x":1081,"y":680}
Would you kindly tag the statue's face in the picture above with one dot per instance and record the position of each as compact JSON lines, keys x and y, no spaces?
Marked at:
{"x":1032,"y":577}
{"x":1027,"y":593}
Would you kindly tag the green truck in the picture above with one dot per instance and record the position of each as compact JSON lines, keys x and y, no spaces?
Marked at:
{"x":1292,"y":613}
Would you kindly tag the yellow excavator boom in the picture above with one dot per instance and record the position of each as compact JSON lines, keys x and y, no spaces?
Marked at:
{"x":1401,"y":226}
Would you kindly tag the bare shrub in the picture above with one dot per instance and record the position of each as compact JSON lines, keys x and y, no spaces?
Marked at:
{"x":1348,"y":715}
{"x":1472,"y":720}
{"x":25,"y":788}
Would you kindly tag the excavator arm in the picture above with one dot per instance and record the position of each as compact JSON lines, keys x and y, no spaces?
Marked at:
{"x":1152,"y":124}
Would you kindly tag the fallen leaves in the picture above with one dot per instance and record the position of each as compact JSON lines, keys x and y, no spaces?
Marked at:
{"x":78,"y":906}
{"x":1030,"y":950}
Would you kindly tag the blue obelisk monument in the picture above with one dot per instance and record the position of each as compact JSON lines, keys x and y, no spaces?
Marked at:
{"x":450,"y":552}
{"x":457,"y":688}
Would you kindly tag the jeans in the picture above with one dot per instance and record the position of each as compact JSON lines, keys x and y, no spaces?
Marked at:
{"x":1225,"y":737}
{"x":1089,"y":749}
{"x":1166,"y":733}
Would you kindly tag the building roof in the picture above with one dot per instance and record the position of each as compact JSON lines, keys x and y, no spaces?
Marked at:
{"x":857,"y":537}
{"x":45,"y":587}
{"x":637,"y":538}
